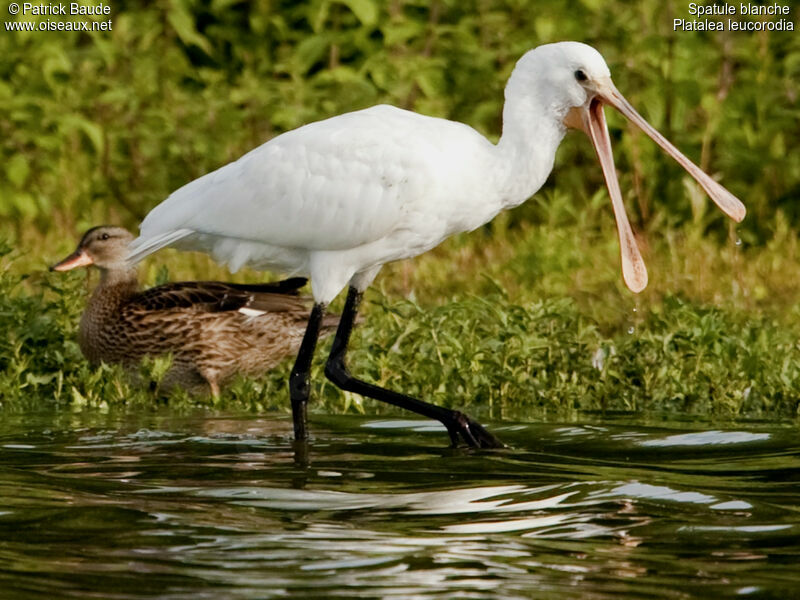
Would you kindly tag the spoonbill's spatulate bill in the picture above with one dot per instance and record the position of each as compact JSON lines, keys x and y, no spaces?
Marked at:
{"x":337,"y":199}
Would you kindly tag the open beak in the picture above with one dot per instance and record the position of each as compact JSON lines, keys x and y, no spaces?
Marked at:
{"x":591,"y":119}
{"x":79,"y":258}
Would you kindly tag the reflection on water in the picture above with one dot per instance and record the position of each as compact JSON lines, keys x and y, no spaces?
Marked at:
{"x":155,"y":506}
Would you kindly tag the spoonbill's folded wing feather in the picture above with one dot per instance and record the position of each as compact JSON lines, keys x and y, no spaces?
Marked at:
{"x":146,"y":245}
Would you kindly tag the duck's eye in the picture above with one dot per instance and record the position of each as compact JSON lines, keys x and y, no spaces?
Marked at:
{"x":104,"y":236}
{"x":580,"y":75}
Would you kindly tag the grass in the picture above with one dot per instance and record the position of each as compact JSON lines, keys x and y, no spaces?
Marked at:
{"x":526,"y":315}
{"x":510,"y":321}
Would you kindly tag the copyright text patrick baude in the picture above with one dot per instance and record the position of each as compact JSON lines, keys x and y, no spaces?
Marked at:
{"x":69,"y":16}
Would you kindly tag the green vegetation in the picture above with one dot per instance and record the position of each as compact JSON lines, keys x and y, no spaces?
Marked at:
{"x":526,"y":314}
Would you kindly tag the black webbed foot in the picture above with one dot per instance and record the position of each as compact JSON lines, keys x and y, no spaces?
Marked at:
{"x":472,"y":433}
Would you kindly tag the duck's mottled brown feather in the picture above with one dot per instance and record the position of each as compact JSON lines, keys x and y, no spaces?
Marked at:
{"x":216,"y":296}
{"x":199,"y":324}
{"x":212,"y":329}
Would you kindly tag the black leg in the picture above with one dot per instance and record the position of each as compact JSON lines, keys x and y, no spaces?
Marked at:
{"x":299,"y":386}
{"x":458,"y":424}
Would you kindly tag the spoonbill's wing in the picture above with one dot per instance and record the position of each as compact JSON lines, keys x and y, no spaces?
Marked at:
{"x":331,"y":185}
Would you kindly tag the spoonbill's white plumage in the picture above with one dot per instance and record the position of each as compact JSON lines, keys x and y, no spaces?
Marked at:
{"x":337,"y":199}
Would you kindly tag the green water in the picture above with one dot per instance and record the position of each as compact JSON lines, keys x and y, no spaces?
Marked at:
{"x":159,"y":506}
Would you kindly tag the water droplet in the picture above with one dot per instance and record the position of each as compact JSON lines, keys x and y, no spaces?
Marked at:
{"x":631,"y":329}
{"x":738,"y":241}
{"x":635,"y":309}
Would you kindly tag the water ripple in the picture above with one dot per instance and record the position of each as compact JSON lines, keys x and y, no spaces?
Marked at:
{"x":707,"y":438}
{"x":224,"y":507}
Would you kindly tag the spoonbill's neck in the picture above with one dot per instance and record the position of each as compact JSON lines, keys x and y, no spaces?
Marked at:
{"x":532,"y":131}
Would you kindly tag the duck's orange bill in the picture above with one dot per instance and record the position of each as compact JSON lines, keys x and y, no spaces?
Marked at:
{"x":79,"y":258}
{"x":590,"y":119}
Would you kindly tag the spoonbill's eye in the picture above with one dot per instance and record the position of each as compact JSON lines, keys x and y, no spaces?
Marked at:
{"x":580,"y":75}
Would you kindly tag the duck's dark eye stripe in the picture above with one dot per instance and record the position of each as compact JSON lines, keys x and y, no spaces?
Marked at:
{"x":580,"y":75}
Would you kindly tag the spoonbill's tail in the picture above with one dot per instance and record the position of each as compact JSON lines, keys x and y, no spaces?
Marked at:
{"x":146,"y":245}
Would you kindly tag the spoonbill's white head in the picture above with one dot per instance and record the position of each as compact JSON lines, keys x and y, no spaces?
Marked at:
{"x":557,"y":75}
{"x":572,"y":82}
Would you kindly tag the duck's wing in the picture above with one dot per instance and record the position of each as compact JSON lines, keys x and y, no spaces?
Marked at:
{"x":217,"y":297}
{"x":289,"y":286}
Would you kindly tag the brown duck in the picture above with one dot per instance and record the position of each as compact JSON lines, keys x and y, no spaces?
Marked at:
{"x":212,"y":329}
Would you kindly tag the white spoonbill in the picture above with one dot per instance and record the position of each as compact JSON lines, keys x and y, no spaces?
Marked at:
{"x":337,"y":199}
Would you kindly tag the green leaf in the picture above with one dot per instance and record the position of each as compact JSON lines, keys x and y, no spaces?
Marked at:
{"x":594,"y":5}
{"x":55,"y":64}
{"x":36,"y":379}
{"x":319,"y":17}
{"x":545,"y":29}
{"x":183,"y":24}
{"x":430,"y":81}
{"x":309,"y":52}
{"x":25,"y":204}
{"x":90,"y":129}
{"x":401,"y":33}
{"x":365,"y":11}
{"x":78,"y":399}
{"x":17,"y":170}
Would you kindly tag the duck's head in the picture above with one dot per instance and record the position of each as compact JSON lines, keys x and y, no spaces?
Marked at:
{"x":104,"y":247}
{"x":572,"y":83}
